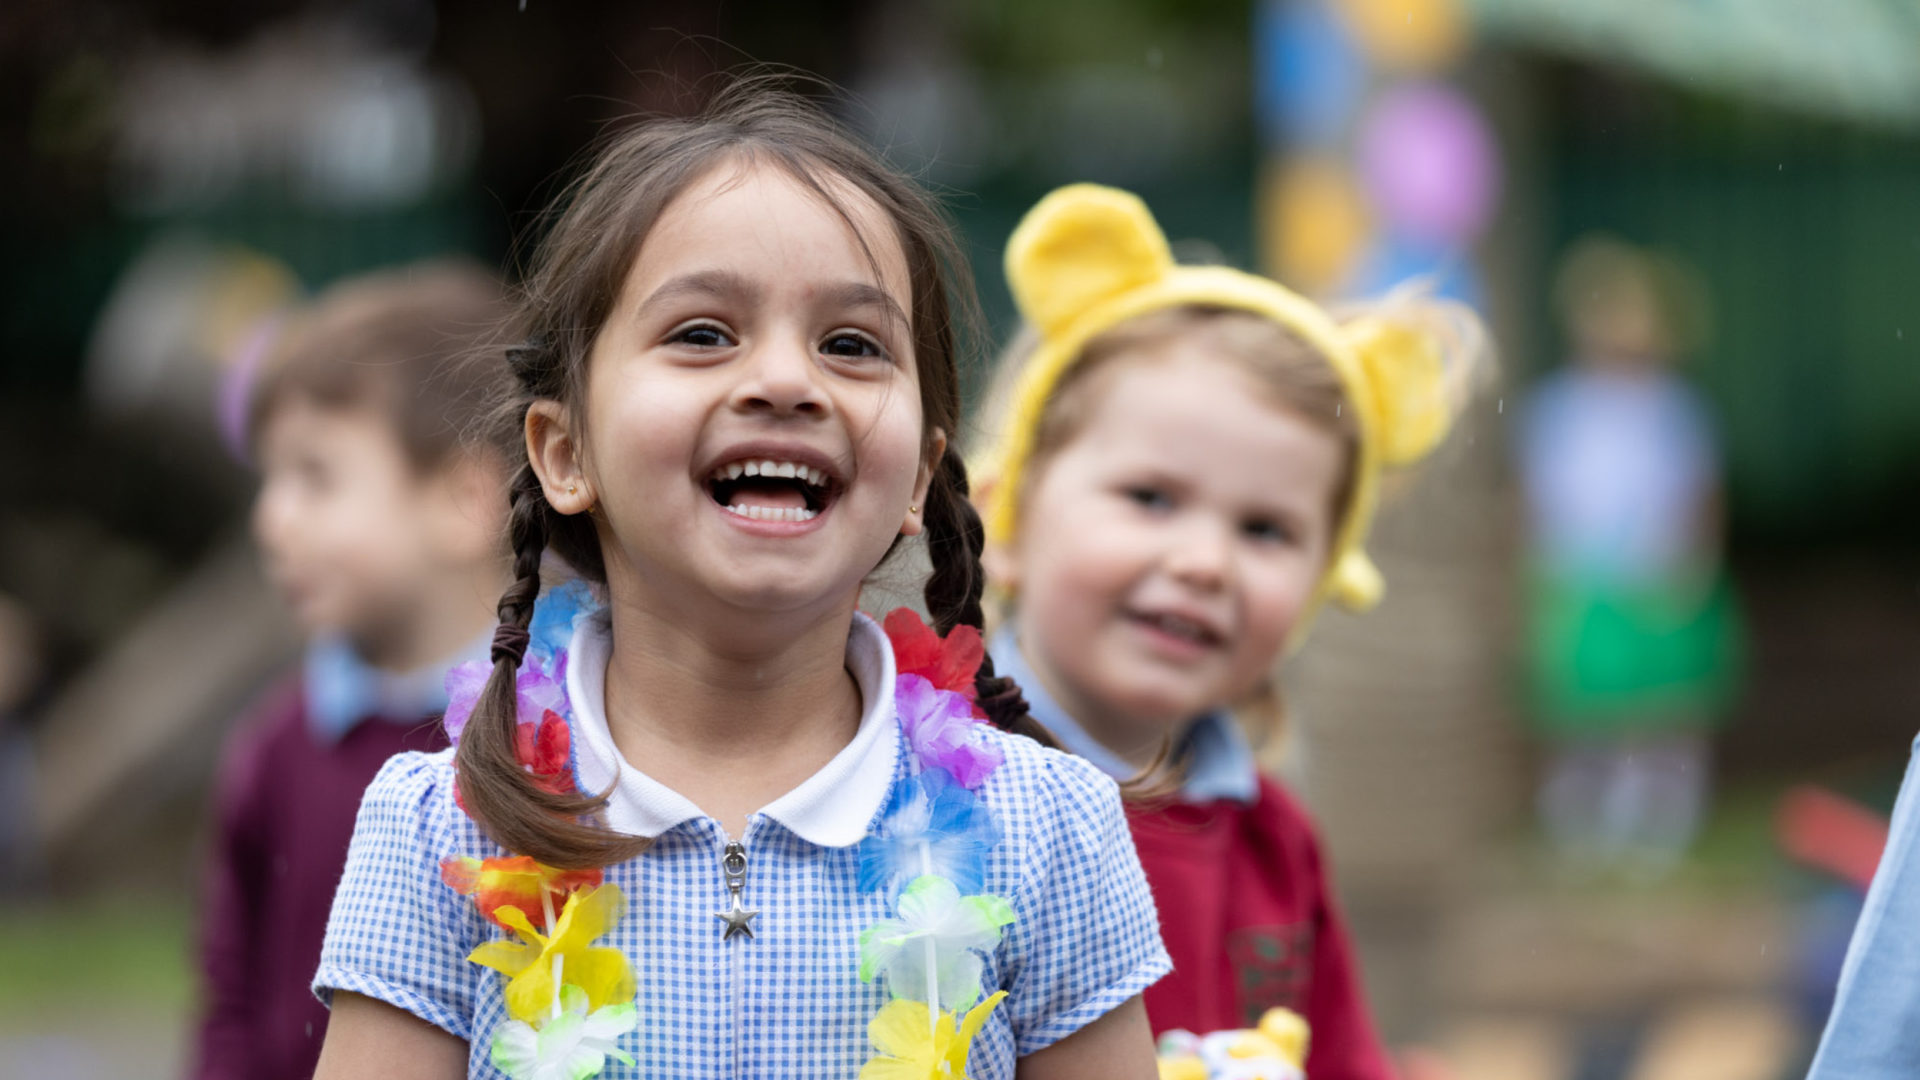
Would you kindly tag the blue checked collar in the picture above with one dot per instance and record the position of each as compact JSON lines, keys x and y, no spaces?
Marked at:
{"x":341,"y":690}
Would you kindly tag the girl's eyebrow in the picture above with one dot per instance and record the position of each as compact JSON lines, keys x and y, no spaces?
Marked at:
{"x":716,"y":284}
{"x":858,"y":294}
{"x":732,"y":286}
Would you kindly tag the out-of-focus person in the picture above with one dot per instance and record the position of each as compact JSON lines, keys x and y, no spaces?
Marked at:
{"x":1189,"y":461}
{"x":382,"y":526}
{"x":1633,"y":639}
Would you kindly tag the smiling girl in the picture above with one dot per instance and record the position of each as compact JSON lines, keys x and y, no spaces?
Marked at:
{"x":705,"y":819}
{"x":1185,"y":473}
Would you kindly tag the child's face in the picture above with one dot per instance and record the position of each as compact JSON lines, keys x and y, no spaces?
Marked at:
{"x":351,"y":530}
{"x":1165,"y":553}
{"x":753,"y":328}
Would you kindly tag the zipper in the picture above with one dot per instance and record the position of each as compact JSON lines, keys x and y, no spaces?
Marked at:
{"x":738,"y":916}
{"x":738,"y":919}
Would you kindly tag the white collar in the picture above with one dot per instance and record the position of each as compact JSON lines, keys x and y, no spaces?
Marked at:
{"x":831,"y":808}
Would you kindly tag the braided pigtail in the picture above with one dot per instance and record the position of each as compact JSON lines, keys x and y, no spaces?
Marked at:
{"x":498,"y":792}
{"x":954,"y":540}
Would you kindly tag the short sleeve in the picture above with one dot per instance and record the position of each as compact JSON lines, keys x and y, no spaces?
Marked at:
{"x":397,"y":933}
{"x":1085,"y":937}
{"x":1870,"y":1034}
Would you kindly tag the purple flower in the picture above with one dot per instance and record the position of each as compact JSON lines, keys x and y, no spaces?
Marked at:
{"x":940,"y":727}
{"x":541,"y":686}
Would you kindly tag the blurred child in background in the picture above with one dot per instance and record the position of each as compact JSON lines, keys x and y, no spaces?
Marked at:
{"x":384,"y":529}
{"x":1633,"y":638}
{"x":1184,"y":472}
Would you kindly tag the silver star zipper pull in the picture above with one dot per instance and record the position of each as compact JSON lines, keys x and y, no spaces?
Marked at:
{"x":738,"y":916}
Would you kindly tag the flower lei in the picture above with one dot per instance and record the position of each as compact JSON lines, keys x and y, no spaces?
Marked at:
{"x":569,"y":1001}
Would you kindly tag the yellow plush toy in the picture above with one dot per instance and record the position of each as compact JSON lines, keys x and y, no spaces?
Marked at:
{"x":1088,"y":258}
{"x":1276,"y":1050}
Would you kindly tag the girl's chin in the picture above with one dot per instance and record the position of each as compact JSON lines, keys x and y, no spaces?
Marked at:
{"x":1157,"y":703}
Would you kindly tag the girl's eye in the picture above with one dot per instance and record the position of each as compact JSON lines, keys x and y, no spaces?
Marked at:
{"x":1150,"y":498}
{"x":846,"y":343}
{"x":702,"y":336}
{"x":1266,"y":531}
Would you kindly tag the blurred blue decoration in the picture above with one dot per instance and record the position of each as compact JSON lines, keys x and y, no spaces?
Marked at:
{"x":1309,"y":73}
{"x":1396,"y":259}
{"x":1430,"y":163}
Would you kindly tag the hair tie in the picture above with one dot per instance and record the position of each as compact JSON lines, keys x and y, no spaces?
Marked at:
{"x":1004,"y":700}
{"x":510,"y":643}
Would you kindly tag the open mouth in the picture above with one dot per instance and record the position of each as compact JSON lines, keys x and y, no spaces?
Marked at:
{"x":1178,"y":627}
{"x":769,"y":490}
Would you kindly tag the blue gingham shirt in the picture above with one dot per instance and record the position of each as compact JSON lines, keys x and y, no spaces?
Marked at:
{"x":787,"y":1002}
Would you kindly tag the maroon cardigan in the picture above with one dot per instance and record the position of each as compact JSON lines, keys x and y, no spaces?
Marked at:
{"x":1247,"y":914}
{"x":284,"y":812}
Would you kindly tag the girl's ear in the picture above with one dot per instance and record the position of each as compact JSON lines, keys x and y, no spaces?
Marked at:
{"x":916,"y":519}
{"x":997,"y":557}
{"x":554,"y":452}
{"x":1002,"y":564}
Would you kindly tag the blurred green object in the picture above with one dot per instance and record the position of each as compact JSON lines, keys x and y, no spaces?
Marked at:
{"x":96,"y":952}
{"x":1854,"y":59}
{"x":1610,"y":658}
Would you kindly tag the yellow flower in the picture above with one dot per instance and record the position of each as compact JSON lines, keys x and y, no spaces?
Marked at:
{"x":912,"y":1049}
{"x":602,"y":973}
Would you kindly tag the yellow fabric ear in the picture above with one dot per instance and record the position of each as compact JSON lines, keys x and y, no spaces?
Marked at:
{"x":1406,"y":382}
{"x":1356,"y":584}
{"x":1078,"y":247}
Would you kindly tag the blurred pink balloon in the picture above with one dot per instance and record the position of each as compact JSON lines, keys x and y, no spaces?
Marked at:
{"x":1430,"y":164}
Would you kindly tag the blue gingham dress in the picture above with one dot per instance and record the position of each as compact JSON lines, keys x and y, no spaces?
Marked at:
{"x":788,"y":1001}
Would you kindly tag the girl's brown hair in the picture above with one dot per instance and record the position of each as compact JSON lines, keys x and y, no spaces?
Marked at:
{"x":576,"y":275}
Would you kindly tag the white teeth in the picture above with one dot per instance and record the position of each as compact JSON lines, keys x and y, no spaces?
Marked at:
{"x":737,"y":469}
{"x":774,"y":513}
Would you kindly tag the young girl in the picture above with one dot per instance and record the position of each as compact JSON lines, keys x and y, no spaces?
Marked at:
{"x":1185,"y":471}
{"x":715,"y":825}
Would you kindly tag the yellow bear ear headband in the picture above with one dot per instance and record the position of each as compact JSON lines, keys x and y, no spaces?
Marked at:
{"x":1088,"y":258}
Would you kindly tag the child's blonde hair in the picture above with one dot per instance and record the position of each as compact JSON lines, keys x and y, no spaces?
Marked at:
{"x":1385,"y":379}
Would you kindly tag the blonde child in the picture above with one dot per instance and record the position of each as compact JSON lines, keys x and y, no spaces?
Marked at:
{"x":707,"y":822}
{"x":1184,"y":472}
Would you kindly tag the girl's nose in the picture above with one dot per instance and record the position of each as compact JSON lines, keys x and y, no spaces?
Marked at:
{"x":1201,"y":555}
{"x":781,"y":379}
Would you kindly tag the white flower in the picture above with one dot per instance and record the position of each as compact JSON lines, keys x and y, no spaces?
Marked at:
{"x":571,"y":1046}
{"x":936,"y":923}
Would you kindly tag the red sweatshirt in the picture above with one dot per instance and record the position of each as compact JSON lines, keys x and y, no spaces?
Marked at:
{"x":285,"y":809}
{"x":1246,"y":913}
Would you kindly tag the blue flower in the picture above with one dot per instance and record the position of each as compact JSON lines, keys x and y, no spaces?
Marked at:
{"x":931,"y":825}
{"x":555,"y":613}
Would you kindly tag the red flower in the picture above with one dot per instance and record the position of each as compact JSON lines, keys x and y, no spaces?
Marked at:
{"x":514,"y":880}
{"x":546,"y":751}
{"x":949,"y":664}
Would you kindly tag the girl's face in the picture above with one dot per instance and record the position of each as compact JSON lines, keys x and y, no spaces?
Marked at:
{"x":753,"y":434}
{"x":1165,"y":553}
